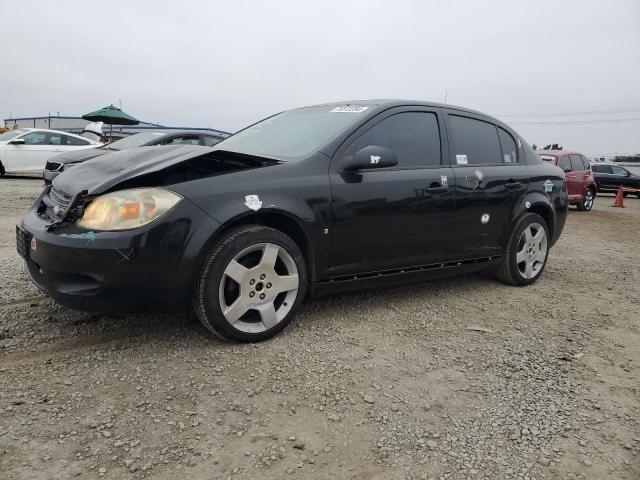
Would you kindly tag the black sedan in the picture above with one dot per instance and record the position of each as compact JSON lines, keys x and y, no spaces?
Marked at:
{"x":309,"y":201}
{"x":609,"y":177}
{"x":63,"y":161}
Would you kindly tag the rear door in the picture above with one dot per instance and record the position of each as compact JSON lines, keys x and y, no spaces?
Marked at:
{"x":578,"y":177}
{"x":384,"y":218}
{"x":490,"y":178}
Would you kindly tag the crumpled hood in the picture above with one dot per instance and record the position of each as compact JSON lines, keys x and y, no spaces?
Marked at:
{"x":74,"y":156}
{"x":99,"y":174}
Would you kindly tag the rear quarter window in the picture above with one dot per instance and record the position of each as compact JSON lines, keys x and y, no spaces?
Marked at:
{"x":509,"y":147}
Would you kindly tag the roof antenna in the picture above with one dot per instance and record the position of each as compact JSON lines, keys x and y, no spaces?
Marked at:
{"x":445,"y":95}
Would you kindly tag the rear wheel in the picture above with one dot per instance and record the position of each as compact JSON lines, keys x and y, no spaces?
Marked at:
{"x":2,"y":171}
{"x":587,"y":202}
{"x":251,"y":284}
{"x":527,"y":251}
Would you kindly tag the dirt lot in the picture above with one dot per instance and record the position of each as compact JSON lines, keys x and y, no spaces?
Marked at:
{"x":461,"y":378}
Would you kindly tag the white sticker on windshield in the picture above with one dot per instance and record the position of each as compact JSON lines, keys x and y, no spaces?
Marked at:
{"x":461,"y":160}
{"x":253,"y":202}
{"x":349,"y":109}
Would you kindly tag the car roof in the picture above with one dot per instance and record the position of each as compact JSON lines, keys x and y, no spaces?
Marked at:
{"x":48,"y":130}
{"x":383,"y":104}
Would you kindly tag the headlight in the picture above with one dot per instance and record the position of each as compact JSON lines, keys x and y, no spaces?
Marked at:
{"x":128,"y":208}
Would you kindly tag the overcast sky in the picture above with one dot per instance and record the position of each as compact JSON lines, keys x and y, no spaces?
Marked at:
{"x":226,"y":64}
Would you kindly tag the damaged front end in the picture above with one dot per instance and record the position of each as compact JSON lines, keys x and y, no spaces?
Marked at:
{"x":59,"y":208}
{"x":110,"y":235}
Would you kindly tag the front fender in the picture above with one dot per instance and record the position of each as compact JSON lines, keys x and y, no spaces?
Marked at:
{"x":301,"y":195}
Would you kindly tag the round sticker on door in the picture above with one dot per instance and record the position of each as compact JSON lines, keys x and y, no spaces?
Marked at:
{"x":485,"y":218}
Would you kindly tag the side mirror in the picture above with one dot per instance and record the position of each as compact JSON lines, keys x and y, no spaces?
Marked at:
{"x":17,"y":141}
{"x":372,"y":156}
{"x":566,"y":169}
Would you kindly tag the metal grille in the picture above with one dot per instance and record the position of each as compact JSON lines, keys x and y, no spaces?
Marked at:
{"x":23,"y":240}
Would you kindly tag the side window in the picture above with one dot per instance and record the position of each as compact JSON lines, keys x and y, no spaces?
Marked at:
{"x":602,"y":168}
{"x":576,"y":163}
{"x":209,"y":141}
{"x":618,"y":170}
{"x":54,"y":139}
{"x":509,"y":148}
{"x":35,"y":138}
{"x":75,"y":141}
{"x":413,"y":136}
{"x":585,"y":162}
{"x":474,"y":141}
{"x":184,"y":140}
{"x":564,"y":163}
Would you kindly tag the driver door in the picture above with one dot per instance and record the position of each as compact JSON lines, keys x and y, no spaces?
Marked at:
{"x":400,"y":216}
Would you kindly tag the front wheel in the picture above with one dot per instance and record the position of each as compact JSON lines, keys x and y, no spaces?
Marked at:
{"x":527,"y":251}
{"x":251,"y":284}
{"x":587,"y":202}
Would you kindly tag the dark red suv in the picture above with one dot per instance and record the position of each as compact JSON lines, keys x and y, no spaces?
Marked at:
{"x":581,"y":185}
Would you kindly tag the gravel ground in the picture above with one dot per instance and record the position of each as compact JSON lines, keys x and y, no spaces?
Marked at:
{"x":460,"y":378}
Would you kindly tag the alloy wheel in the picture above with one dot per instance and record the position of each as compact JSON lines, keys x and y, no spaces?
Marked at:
{"x":532,"y":250}
{"x":259,"y":287}
{"x":588,"y":199}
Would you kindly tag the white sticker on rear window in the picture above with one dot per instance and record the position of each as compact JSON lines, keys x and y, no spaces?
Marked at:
{"x":349,"y":109}
{"x":461,"y":159}
{"x":507,"y":158}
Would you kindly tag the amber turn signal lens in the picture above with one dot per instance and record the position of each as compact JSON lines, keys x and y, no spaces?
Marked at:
{"x":129,"y":211}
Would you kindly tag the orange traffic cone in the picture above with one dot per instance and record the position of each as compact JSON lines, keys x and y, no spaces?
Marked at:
{"x":619,"y":199}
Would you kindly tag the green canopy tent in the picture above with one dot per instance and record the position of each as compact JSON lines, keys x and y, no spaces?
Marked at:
{"x":112,"y":116}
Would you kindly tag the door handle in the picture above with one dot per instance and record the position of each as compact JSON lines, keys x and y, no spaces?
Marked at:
{"x":56,"y":150}
{"x":437,"y":189}
{"x":513,"y":185}
{"x":572,"y":177}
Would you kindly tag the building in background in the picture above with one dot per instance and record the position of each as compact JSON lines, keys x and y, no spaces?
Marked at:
{"x":77,"y":124}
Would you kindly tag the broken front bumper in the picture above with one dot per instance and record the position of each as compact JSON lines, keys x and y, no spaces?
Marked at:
{"x":145,"y":269}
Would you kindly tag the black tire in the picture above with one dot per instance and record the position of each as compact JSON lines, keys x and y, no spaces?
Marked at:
{"x":508,"y":271}
{"x":638,"y":194}
{"x":586,"y":203}
{"x":2,"y":171}
{"x":206,"y":300}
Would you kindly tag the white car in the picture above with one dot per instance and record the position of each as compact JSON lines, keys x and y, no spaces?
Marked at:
{"x":26,"y":150}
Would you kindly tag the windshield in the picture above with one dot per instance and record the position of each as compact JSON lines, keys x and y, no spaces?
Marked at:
{"x":11,"y":133}
{"x":135,"y":140}
{"x":294,"y":134}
